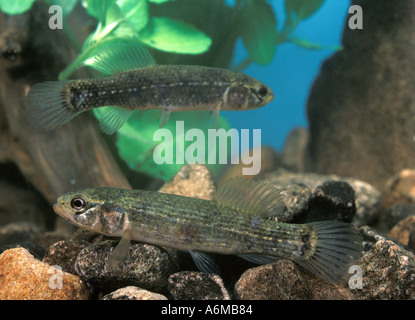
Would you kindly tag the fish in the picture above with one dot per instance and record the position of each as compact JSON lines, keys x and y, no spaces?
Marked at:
{"x":236,"y":222}
{"x":134,"y":82}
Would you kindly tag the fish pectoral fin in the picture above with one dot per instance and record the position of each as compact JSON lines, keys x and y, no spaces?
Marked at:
{"x":215,"y":114}
{"x":205,"y":262}
{"x":256,"y":198}
{"x":120,"y":254}
{"x":164,"y":117}
{"x":112,"y":118}
{"x":125,"y":56}
{"x":259,"y":258}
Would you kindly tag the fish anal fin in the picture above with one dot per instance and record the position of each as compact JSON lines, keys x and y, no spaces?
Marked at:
{"x":112,"y":118}
{"x":245,"y":195}
{"x":259,"y":258}
{"x":205,"y":262}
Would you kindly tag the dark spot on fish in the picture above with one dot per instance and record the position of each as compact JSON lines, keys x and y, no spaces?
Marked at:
{"x":188,"y":232}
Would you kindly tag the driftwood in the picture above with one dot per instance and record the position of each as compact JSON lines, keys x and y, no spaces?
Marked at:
{"x":73,"y":156}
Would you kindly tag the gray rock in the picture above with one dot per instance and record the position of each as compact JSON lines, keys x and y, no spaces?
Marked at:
{"x":296,"y":198}
{"x":361,"y":107}
{"x":280,"y":280}
{"x":64,"y":254}
{"x":397,"y":213}
{"x":133,"y":293}
{"x":23,"y":235}
{"x":148,"y":267}
{"x":332,"y":200}
{"x":388,"y":273}
{"x":294,"y":153}
{"x":192,"y":285}
{"x":368,"y":200}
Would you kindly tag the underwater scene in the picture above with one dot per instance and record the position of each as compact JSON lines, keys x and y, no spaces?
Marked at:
{"x":207,"y":150}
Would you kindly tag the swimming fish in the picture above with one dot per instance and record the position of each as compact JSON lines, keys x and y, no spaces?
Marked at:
{"x":137,"y":83}
{"x":235,"y":222}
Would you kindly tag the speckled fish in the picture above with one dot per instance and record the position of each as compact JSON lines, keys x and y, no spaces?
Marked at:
{"x":235,"y":222}
{"x":136,"y":83}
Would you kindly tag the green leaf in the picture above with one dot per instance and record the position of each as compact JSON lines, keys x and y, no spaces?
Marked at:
{"x":103,"y":10}
{"x":259,"y":31}
{"x":312,"y":46}
{"x":297,"y":10}
{"x":12,"y":7}
{"x":66,"y":5}
{"x":170,"y":35}
{"x":136,"y":145}
{"x":135,"y":11}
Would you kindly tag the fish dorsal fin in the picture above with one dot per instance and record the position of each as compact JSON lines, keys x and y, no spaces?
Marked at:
{"x":257,"y":198}
{"x":113,"y":59}
{"x":112,"y":118}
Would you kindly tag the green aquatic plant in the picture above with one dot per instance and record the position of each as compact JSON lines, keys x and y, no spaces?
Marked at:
{"x":179,"y":32}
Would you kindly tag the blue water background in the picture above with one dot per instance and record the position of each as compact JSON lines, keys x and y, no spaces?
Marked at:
{"x":291,"y":74}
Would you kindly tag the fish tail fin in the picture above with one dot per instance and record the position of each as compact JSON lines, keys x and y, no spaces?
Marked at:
{"x":47,"y":105}
{"x":336,"y":247}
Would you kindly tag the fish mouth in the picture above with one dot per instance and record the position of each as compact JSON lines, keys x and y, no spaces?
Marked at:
{"x":61,"y":212}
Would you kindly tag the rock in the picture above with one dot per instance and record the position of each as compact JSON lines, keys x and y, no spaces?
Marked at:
{"x":192,"y":285}
{"x":295,"y":150}
{"x":20,"y":202}
{"x":296,"y":198}
{"x":370,"y":237}
{"x":400,"y":189}
{"x":133,"y":293}
{"x":360,"y":108}
{"x":21,"y":234}
{"x":395,"y":214}
{"x":367,"y":198}
{"x":323,"y":290}
{"x":403,"y":229}
{"x":332,"y":200}
{"x":22,"y":277}
{"x":148,"y":267}
{"x":193,"y":180}
{"x":388,"y":273}
{"x":64,"y":254}
{"x":270,"y":160}
{"x":280,"y":280}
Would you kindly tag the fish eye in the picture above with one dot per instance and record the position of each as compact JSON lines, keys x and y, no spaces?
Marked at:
{"x":262,"y":92}
{"x":78,"y":204}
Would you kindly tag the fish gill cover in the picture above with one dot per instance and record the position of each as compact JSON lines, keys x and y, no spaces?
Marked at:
{"x":202,"y":32}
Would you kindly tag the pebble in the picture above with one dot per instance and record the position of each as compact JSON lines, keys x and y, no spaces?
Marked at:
{"x":148,"y":267}
{"x":23,"y":277}
{"x":403,"y":230}
{"x":332,"y":200}
{"x":64,"y":254}
{"x":193,"y":180}
{"x":396,"y":213}
{"x":400,"y":188}
{"x":133,"y":293}
{"x":368,"y":199}
{"x":388,"y":272}
{"x":193,"y":285}
{"x":280,"y":280}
